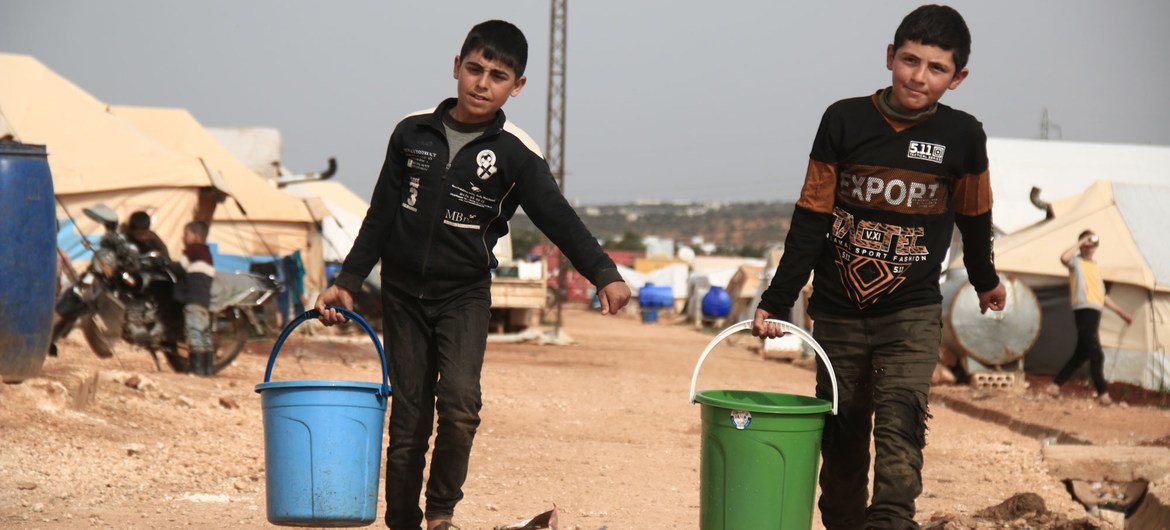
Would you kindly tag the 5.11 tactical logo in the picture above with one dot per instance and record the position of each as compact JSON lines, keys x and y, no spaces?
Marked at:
{"x":926,"y":151}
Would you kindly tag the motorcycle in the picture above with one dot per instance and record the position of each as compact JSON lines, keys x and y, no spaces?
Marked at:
{"x":126,"y":294}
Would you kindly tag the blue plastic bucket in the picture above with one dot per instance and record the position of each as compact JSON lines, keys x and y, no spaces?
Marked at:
{"x":323,"y":443}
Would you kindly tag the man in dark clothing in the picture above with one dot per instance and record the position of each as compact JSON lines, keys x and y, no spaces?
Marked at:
{"x":138,"y":231}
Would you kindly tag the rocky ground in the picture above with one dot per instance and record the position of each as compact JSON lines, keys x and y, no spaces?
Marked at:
{"x":601,"y":429}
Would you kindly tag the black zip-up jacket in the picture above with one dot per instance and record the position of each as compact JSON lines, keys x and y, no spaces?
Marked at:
{"x":434,"y":224}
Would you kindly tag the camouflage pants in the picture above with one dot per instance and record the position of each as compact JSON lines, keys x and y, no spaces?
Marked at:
{"x":883,"y":367}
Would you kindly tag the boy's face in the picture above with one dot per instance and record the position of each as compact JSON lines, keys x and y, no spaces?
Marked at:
{"x":922,"y":74}
{"x":190,"y":238}
{"x":483,"y":87}
{"x":1088,"y":250}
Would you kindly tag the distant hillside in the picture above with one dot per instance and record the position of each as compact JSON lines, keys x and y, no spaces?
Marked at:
{"x":736,"y":227}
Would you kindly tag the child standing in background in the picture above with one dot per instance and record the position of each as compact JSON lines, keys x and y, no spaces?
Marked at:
{"x":195,"y":293}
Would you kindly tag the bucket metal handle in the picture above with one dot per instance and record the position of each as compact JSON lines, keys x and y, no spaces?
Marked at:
{"x":787,"y":327}
{"x":313,"y":313}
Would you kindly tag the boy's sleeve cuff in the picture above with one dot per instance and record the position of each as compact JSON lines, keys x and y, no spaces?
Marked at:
{"x":984,"y":284}
{"x":349,"y":281}
{"x":606,"y":277}
{"x":778,"y":313}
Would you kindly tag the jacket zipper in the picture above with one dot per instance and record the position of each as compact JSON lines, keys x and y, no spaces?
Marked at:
{"x":439,"y":206}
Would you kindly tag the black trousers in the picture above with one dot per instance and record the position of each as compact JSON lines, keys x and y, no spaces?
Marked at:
{"x":435,"y":352}
{"x":883,"y":366}
{"x":1088,"y":349}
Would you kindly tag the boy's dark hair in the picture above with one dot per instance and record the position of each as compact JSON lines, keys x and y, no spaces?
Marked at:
{"x":198,"y":228}
{"x":941,"y":26}
{"x":139,"y":221}
{"x":500,"y":41}
{"x":1085,"y":233}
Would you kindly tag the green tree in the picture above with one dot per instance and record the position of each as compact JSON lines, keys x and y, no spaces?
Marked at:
{"x":630,"y":240}
{"x":523,"y":239}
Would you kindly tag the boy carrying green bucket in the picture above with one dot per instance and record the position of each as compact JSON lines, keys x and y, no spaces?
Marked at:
{"x":453,"y":177}
{"x":889,"y":176}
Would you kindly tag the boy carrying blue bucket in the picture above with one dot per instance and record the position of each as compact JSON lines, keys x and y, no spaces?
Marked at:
{"x":452,"y":178}
{"x":889,"y":176}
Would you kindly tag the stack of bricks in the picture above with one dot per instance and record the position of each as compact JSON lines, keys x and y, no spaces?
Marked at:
{"x":997,"y":379}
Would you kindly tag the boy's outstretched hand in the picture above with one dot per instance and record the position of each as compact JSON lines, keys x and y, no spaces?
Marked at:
{"x":993,"y":299}
{"x":337,"y":296}
{"x":614,"y":297}
{"x":768,"y":330}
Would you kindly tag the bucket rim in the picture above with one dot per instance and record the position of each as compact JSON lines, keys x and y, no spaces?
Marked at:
{"x":814,"y":405}
{"x":318,"y":383}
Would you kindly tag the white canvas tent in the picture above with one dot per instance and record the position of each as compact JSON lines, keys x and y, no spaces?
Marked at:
{"x":345,"y":214}
{"x":1061,"y":169}
{"x":257,"y":147}
{"x":96,"y":157}
{"x":1134,"y":258}
{"x":259,"y":220}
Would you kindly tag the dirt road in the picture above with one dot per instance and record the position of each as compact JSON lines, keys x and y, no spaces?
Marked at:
{"x":601,"y":429}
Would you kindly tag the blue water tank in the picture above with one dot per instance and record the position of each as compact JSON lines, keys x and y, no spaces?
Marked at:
{"x":716,"y":303}
{"x":651,"y":295}
{"x":28,"y":260}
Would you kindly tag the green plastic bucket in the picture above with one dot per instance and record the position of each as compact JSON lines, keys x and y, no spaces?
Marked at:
{"x":323,"y":443}
{"x":760,"y":450}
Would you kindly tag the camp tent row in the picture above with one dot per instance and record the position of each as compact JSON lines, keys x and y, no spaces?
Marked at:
{"x":256,"y":219}
{"x":1134,"y":256}
{"x":96,"y":157}
{"x":1134,"y":259}
{"x":158,"y":160}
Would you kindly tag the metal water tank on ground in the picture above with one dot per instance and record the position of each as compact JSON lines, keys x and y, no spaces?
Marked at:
{"x":994,"y":340}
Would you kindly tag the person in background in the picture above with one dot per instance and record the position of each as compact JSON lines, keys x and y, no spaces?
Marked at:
{"x":137,"y":231}
{"x":1086,"y":291}
{"x":195,"y":294}
{"x":453,"y":177}
{"x":889,"y":177}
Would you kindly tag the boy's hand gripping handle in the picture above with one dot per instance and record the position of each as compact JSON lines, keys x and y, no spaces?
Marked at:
{"x":788,"y":328}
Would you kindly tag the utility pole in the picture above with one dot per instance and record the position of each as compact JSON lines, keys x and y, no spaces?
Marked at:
{"x":1047,"y":125}
{"x":554,"y":128}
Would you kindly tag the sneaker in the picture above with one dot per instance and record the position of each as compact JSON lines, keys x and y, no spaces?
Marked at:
{"x":1104,"y":399}
{"x":1053,"y":390}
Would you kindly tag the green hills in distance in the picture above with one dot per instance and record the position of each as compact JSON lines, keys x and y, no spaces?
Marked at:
{"x":725,"y":228}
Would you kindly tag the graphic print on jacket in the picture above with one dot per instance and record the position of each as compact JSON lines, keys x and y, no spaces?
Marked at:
{"x":886,"y":195}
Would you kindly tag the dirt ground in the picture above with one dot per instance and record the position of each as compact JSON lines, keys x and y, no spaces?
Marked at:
{"x":601,"y":429}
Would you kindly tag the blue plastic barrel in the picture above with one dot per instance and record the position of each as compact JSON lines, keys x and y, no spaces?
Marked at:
{"x":323,"y":443}
{"x":651,"y":295}
{"x":28,"y":261}
{"x":716,"y":303}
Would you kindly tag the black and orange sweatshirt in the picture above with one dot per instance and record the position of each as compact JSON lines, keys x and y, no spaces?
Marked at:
{"x":875,"y":216}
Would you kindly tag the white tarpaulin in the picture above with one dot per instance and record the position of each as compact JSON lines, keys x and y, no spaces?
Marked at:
{"x":1061,"y":169}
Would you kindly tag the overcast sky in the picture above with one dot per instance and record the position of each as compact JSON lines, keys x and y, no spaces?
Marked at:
{"x":675,"y":99}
